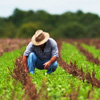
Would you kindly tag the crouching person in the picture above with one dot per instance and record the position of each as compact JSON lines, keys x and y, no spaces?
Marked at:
{"x":41,"y":53}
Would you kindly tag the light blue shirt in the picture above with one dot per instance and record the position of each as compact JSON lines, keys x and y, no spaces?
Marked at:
{"x":50,"y":50}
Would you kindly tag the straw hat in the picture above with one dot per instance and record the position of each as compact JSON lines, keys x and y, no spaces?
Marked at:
{"x":40,"y":37}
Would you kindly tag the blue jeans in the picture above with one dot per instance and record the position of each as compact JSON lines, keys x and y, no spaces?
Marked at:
{"x":34,"y":61}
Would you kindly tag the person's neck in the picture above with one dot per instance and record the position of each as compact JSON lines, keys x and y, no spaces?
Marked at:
{"x":42,"y":46}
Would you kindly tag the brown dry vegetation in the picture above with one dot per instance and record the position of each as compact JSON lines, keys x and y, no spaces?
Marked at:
{"x":30,"y":88}
{"x":88,"y":55}
{"x":73,"y":69}
{"x":7,"y":45}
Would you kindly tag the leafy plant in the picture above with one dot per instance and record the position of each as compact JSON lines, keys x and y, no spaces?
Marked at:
{"x":9,"y":88}
{"x":71,"y":53}
{"x":93,"y":50}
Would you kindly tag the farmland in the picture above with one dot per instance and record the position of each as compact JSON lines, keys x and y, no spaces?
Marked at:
{"x":76,"y":78}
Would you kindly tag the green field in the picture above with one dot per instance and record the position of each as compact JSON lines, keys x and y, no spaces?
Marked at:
{"x":60,"y":85}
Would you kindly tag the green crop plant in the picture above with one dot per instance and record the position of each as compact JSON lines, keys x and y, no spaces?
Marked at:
{"x":9,"y":87}
{"x":93,"y":50}
{"x":61,"y":84}
{"x":71,"y":53}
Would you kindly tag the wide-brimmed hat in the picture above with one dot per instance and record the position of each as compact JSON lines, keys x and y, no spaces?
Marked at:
{"x":40,"y":37}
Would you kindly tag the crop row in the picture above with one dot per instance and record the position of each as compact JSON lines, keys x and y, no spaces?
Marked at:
{"x":93,"y":50}
{"x":60,"y":85}
{"x":71,"y":53}
{"x":9,"y":88}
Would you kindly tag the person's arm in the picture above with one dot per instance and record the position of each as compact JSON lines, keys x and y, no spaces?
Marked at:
{"x":25,"y":63}
{"x":47,"y":64}
{"x":26,"y":54}
{"x":54,"y":54}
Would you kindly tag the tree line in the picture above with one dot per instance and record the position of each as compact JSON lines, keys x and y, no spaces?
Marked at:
{"x":23,"y":24}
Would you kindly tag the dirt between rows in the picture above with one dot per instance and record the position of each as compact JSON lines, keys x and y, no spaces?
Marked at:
{"x":25,"y":79}
{"x":30,"y":88}
{"x":88,"y":41}
{"x":89,"y":56}
{"x":93,"y":42}
{"x":73,"y":69}
{"x":7,"y":45}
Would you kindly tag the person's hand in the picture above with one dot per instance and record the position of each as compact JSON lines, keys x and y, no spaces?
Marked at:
{"x":46,"y":65}
{"x":26,"y":70}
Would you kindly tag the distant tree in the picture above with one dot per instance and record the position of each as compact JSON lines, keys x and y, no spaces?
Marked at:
{"x":71,"y":30}
{"x":3,"y":21}
{"x":8,"y":30}
{"x":42,"y":15}
{"x":17,"y":16}
{"x":27,"y":30}
{"x":94,"y":29}
{"x":2,"y":24}
{"x":79,"y":13}
{"x":66,"y":18}
{"x":74,"y":25}
{"x":88,"y":18}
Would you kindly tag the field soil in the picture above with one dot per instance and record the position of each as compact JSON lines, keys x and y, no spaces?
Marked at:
{"x":7,"y":45}
{"x":73,"y":69}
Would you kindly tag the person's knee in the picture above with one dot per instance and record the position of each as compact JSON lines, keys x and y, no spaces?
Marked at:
{"x":32,"y":55}
{"x":55,"y":64}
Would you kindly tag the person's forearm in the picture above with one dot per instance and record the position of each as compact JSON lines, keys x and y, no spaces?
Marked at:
{"x":53,"y":59}
{"x":48,"y":63}
{"x":25,"y":62}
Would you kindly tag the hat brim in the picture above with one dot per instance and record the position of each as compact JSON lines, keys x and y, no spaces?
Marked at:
{"x":42,"y":42}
